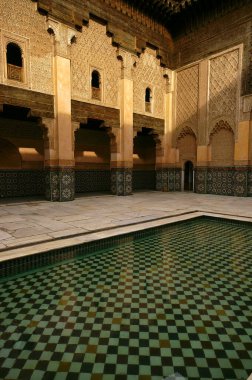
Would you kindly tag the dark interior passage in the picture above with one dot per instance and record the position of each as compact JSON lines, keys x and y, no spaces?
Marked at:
{"x":92,"y":158}
{"x":188,"y":176}
{"x":144,"y":161}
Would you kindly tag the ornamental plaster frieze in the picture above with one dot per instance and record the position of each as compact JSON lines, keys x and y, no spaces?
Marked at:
{"x":48,"y":126}
{"x":128,"y":62}
{"x":169,"y":80}
{"x":63,"y":37}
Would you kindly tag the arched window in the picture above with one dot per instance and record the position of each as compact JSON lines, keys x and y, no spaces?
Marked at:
{"x":14,"y":62}
{"x":96,"y":85}
{"x":148,"y":99}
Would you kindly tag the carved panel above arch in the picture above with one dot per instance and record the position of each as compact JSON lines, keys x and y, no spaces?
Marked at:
{"x":187,"y":97}
{"x":82,"y":111}
{"x":221,"y":124}
{"x":224,"y":88}
{"x":94,"y":50}
{"x":181,"y":132}
{"x":142,"y":121}
{"x":149,"y":74}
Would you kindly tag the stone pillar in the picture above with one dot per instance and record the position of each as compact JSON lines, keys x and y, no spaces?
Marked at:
{"x":167,"y":175}
{"x":203,"y":154}
{"x":243,"y":151}
{"x":60,"y":164}
{"x":122,"y":160}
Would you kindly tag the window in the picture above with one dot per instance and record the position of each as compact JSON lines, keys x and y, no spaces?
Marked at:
{"x":96,"y":85}
{"x":14,"y":62}
{"x":148,"y":100}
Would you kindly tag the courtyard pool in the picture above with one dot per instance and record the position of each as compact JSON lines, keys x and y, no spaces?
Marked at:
{"x":176,"y":300}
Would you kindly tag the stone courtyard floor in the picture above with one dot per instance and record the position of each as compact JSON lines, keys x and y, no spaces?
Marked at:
{"x":29,"y":226}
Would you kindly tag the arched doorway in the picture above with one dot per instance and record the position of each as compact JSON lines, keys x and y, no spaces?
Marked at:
{"x":92,"y":157}
{"x":144,"y":160}
{"x":188,"y":176}
{"x":21,"y":153}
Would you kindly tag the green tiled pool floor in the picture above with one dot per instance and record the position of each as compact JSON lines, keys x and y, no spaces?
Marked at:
{"x":177,"y":301}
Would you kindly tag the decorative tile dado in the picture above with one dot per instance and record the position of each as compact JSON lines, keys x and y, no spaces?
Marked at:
{"x":121,"y":181}
{"x":60,"y":184}
{"x":200,"y":180}
{"x":159,"y":180}
{"x":144,"y":180}
{"x":178,"y":176}
{"x":240,"y":181}
{"x":220,"y":181}
{"x":249,"y":183}
{"x":21,"y":183}
{"x":168,"y":179}
{"x":231,"y":180}
{"x":92,"y":181}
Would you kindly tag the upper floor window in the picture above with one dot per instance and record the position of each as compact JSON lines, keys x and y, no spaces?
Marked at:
{"x":96,"y":85}
{"x":14,"y":62}
{"x":148,"y":100}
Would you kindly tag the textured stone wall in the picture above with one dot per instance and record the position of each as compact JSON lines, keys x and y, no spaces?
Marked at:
{"x":187,"y":149}
{"x":149,"y":73}
{"x":221,"y":33}
{"x":21,"y":183}
{"x":222,"y":148}
{"x":19,"y":20}
{"x":221,"y":83}
{"x":93,"y":50}
{"x":187,"y":95}
{"x":223,"y":89}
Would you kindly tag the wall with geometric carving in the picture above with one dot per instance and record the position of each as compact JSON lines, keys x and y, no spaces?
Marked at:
{"x":222,"y":147}
{"x":187,"y":96}
{"x":149,"y":73}
{"x":187,"y":147}
{"x":19,"y":19}
{"x":223,"y":88}
{"x":207,"y":105}
{"x":93,"y":50}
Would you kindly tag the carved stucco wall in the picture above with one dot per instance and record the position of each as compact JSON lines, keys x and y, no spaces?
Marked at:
{"x":149,"y":73}
{"x":223,"y":88}
{"x":187,"y":96}
{"x":20,"y":18}
{"x":93,"y":50}
{"x":222,"y":147}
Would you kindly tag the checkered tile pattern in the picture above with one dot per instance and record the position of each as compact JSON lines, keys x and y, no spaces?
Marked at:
{"x":177,"y":301}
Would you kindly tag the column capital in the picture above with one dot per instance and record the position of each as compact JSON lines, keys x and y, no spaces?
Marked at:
{"x":169,"y":80}
{"x":128,"y":61}
{"x":63,"y":37}
{"x":75,"y":126}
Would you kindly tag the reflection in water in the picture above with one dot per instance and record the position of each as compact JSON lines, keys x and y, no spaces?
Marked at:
{"x":176,"y":301}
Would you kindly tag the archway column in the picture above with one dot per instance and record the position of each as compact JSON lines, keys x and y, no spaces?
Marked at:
{"x":122,"y":160}
{"x":60,"y":161}
{"x":242,"y":172}
{"x":168,"y":176}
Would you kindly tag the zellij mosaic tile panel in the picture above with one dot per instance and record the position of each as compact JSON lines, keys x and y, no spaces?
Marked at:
{"x":176,"y":301}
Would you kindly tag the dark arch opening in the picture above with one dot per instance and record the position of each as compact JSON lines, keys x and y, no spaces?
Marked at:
{"x":92,"y":158}
{"x":148,"y":95}
{"x":14,"y":55}
{"x":188,"y":176}
{"x":95,"y":81}
{"x":9,"y":155}
{"x":144,"y":160}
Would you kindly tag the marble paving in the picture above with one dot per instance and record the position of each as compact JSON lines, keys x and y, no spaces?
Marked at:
{"x":29,"y":226}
